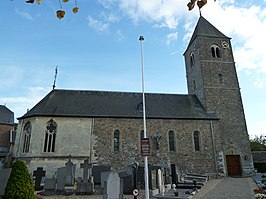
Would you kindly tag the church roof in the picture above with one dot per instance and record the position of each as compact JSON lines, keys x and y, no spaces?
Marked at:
{"x":205,"y":28}
{"x":80,"y":103}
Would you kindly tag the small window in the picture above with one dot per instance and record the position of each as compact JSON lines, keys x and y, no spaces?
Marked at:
{"x":215,"y":50}
{"x":220,"y":79}
{"x":116,"y":140}
{"x":171,"y":137}
{"x":192,"y":59}
{"x":50,"y":135}
{"x":27,"y":135}
{"x":194,"y":86}
{"x":196,"y":138}
{"x":140,"y":107}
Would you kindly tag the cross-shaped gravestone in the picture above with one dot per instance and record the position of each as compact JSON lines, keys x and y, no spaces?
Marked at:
{"x":38,"y":174}
{"x":86,"y":165}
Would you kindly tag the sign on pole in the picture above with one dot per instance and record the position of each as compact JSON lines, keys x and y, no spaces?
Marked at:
{"x":145,"y":147}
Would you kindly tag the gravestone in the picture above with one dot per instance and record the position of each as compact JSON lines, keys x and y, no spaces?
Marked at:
{"x":50,"y":184}
{"x":96,"y":173}
{"x":85,"y":186}
{"x":70,"y":173}
{"x":61,"y":178}
{"x":113,"y":187}
{"x":128,"y":181}
{"x":4,"y":176}
{"x":153,"y":179}
{"x":153,"y":184}
{"x":160,"y":180}
{"x":39,"y":175}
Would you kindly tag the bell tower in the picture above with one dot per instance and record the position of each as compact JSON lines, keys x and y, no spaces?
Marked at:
{"x":212,"y":77}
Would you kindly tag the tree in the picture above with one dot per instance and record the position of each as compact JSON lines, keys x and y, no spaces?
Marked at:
{"x":19,"y":185}
{"x":258,"y":143}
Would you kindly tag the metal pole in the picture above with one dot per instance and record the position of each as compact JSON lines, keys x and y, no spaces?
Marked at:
{"x":141,"y":38}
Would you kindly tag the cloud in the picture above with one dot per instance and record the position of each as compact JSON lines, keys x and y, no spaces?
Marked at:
{"x":24,"y":14}
{"x":97,"y":24}
{"x":119,"y":35}
{"x":171,"y":37}
{"x":18,"y":104}
{"x":166,"y":13}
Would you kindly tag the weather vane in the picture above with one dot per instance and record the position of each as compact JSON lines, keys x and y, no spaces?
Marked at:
{"x":55,"y":77}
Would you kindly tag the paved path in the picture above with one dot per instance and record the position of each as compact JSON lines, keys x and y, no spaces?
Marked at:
{"x":228,"y":188}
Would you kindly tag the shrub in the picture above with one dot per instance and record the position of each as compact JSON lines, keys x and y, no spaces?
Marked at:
{"x":19,"y":185}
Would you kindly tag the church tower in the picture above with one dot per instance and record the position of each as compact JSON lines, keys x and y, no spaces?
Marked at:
{"x":211,"y":76}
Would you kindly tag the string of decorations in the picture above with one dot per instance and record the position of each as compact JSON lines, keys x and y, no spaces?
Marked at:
{"x":200,"y":4}
{"x":59,"y":13}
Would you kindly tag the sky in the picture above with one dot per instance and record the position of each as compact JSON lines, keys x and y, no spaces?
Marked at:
{"x":98,"y":48}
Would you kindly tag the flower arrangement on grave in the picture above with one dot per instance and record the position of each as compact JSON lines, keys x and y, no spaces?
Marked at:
{"x":260,"y":196}
{"x":259,"y":190}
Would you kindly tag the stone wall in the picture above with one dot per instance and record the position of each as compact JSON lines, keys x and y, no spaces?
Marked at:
{"x":185,"y":156}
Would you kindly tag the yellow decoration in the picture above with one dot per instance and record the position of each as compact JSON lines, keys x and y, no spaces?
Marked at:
{"x":75,"y":9}
{"x":65,"y":0}
{"x":60,"y":14}
{"x":191,"y":4}
{"x":38,"y":1}
{"x":201,"y":3}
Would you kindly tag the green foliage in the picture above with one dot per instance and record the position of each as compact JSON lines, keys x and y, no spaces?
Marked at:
{"x":19,"y":185}
{"x":261,"y":167}
{"x":258,"y":143}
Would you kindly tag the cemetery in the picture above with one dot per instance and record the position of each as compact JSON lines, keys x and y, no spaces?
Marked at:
{"x":103,"y":182}
{"x":260,"y":180}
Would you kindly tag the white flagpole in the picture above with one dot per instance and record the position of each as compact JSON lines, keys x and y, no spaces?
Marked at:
{"x":141,"y":38}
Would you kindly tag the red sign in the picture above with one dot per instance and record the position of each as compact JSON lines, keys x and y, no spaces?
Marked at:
{"x":145,"y":147}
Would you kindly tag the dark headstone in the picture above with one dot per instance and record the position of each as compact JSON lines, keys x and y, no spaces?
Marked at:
{"x":4,"y":176}
{"x":96,"y":173}
{"x":39,"y":175}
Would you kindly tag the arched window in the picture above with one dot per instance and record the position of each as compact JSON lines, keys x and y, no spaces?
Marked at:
{"x":215,"y":50}
{"x":116,"y":140}
{"x":196,"y":138}
{"x":27,"y":135}
{"x":220,"y":79}
{"x":50,"y":135}
{"x":171,"y":137}
{"x":192,"y":59}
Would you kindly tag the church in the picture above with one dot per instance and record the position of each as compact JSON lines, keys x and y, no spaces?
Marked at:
{"x":201,"y":132}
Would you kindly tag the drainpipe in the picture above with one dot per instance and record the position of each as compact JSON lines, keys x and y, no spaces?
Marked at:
{"x":214,"y":149}
{"x":91,"y":142}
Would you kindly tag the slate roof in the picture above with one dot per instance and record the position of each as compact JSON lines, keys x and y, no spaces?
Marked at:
{"x":82,"y":103}
{"x":6,"y":115}
{"x":205,"y":28}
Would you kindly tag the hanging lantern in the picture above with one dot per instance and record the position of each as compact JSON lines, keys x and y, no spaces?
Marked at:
{"x":38,"y":1}
{"x":30,"y":1}
{"x":60,"y":14}
{"x":75,"y":9}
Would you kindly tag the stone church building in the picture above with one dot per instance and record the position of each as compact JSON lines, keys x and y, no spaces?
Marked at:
{"x":201,"y":132}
